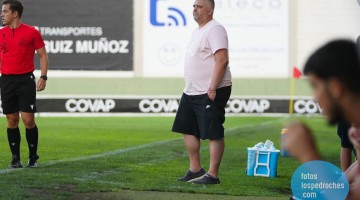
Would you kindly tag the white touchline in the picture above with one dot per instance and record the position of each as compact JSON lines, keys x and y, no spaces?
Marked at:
{"x":122,"y":151}
{"x":110,"y":153}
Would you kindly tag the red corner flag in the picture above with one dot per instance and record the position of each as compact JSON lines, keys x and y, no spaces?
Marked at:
{"x":296,"y":73}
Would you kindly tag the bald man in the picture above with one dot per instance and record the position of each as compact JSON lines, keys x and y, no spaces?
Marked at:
{"x":201,"y":112}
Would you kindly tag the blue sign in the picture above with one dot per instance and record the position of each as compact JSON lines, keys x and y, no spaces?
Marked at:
{"x":175,"y":17}
{"x":319,"y":180}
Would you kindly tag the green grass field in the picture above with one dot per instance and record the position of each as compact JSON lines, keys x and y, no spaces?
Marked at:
{"x":166,"y":86}
{"x":114,"y":158}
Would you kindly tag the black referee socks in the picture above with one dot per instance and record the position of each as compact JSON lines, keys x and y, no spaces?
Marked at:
{"x":32,"y":136}
{"x":14,"y":141}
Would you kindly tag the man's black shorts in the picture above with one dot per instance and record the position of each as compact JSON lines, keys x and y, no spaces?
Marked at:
{"x":18,"y":93}
{"x":199,"y":116}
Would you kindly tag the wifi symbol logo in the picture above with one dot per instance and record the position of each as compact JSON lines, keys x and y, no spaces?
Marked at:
{"x":174,"y":19}
{"x":175,"y":16}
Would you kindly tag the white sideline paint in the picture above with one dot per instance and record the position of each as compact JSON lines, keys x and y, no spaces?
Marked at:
{"x":110,"y":153}
{"x":100,"y":96}
{"x":157,"y":115}
{"x":74,"y":115}
{"x":122,"y":151}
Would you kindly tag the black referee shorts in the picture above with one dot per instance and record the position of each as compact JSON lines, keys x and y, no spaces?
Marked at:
{"x":199,"y":116}
{"x":18,"y":93}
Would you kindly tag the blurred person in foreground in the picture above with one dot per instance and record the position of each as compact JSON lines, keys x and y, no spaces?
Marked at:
{"x":347,"y":148}
{"x":333,"y":71}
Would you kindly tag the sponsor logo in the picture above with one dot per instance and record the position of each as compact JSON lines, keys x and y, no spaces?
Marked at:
{"x":158,"y":105}
{"x":103,"y":45}
{"x":245,"y":4}
{"x":307,"y":107}
{"x":90,"y":105}
{"x":174,"y":16}
{"x":247,"y":106}
{"x":233,"y":106}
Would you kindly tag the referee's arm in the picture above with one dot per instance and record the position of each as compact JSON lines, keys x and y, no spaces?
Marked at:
{"x":44,"y":65}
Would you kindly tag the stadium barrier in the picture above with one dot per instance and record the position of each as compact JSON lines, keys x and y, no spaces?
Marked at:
{"x":237,"y":105}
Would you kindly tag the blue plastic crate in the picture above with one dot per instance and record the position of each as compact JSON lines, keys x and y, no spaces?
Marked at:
{"x":267,"y":162}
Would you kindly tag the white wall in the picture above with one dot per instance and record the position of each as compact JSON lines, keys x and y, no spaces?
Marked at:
{"x":312,"y":23}
{"x":318,"y":21}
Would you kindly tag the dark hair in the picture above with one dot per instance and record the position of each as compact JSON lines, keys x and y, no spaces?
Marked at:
{"x":337,"y":59}
{"x":212,"y":3}
{"x":15,"y":5}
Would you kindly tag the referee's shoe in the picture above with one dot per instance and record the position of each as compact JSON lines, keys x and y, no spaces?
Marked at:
{"x":15,"y":163}
{"x":32,"y":162}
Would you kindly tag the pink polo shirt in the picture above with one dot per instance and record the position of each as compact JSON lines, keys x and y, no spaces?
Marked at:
{"x":200,"y":59}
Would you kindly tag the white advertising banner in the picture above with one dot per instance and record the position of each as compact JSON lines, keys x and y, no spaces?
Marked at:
{"x":168,"y":25}
{"x":258,"y":33}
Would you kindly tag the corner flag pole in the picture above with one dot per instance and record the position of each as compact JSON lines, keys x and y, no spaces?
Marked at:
{"x":295,"y":75}
{"x":292,"y":92}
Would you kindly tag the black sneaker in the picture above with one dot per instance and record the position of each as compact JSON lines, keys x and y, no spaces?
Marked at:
{"x":15,"y":163}
{"x":191,"y":175}
{"x":206,"y":179}
{"x":32,"y":162}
